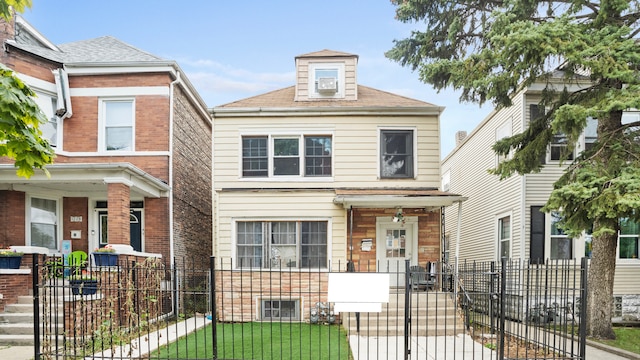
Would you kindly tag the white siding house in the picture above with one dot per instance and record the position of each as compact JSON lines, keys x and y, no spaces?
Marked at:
{"x":502,"y":218}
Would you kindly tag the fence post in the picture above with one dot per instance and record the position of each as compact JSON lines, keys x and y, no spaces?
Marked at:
{"x":503,"y":290}
{"x":36,"y":306}
{"x":492,"y":296}
{"x":214,"y":317}
{"x":407,"y":309}
{"x":583,"y":307}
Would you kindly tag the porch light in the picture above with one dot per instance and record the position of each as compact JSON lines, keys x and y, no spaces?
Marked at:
{"x":399,"y":216}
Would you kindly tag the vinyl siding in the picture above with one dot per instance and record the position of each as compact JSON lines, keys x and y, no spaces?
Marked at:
{"x":355,"y":150}
{"x":488,"y":197}
{"x":302,"y":76}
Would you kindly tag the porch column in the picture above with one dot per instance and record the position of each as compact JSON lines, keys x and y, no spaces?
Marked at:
{"x":118,"y":202}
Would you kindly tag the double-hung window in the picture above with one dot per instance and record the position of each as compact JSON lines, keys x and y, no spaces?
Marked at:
{"x":628,"y":239}
{"x":47,"y":105}
{"x":44,"y":223}
{"x":396,"y":153}
{"x":504,"y":236}
{"x":281,"y":244}
{"x":276,"y":156}
{"x":561,"y":244}
{"x":117,"y":125}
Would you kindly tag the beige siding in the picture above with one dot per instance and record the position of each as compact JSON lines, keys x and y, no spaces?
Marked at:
{"x":350,"y":81}
{"x":278,"y":205}
{"x":626,"y":278}
{"x":355,"y":150}
{"x":488,"y":197}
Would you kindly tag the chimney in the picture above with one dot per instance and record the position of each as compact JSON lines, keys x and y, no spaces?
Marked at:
{"x":7,"y":32}
{"x":460,"y":136}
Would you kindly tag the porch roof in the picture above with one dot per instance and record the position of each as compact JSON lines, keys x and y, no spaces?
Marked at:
{"x":85,"y":178}
{"x":392,"y":198}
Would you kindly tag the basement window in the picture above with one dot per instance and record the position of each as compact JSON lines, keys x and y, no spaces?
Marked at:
{"x":280,"y":310}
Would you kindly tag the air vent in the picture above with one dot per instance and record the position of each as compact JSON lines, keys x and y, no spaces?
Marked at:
{"x":327,"y":85}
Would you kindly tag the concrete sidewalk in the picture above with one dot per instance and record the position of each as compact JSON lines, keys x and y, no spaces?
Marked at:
{"x":457,"y":347}
{"x":435,"y":347}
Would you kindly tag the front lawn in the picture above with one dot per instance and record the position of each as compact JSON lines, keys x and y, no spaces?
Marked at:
{"x":627,"y":338}
{"x":268,"y":340}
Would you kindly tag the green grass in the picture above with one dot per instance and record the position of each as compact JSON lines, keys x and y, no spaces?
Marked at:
{"x":627,"y":338}
{"x":262,"y":341}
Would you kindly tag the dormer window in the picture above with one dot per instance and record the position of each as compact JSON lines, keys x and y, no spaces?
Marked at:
{"x":326,"y":80}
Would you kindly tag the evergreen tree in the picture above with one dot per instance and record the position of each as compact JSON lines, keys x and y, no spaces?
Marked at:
{"x":585,"y":55}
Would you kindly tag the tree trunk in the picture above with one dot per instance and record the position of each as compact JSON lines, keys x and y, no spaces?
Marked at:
{"x":600,"y":287}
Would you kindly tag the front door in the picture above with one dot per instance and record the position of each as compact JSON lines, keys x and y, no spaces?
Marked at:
{"x":395,"y":244}
{"x":135,"y":229}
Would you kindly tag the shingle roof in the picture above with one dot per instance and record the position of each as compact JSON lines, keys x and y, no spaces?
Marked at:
{"x":104,"y":49}
{"x":367,"y":97}
{"x":326,"y":53}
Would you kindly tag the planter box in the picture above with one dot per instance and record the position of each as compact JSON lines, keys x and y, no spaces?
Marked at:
{"x":84,"y":287}
{"x":105,"y":259}
{"x":10,"y":262}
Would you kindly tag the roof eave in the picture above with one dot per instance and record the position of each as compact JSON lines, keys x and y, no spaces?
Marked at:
{"x":326,"y":111}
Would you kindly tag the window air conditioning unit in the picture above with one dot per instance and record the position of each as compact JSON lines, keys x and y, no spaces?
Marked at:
{"x":327,"y":85}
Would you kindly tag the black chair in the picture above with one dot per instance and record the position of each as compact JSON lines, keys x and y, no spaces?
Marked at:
{"x":419,"y":278}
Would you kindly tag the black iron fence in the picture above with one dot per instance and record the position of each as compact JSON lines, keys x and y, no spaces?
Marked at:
{"x":145,"y":308}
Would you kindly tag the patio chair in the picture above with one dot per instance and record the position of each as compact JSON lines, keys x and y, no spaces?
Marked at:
{"x":420,"y":278}
{"x":77,"y":261}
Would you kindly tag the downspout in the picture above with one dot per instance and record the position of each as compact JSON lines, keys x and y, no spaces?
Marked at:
{"x":171,"y":119}
{"x":523,"y":190}
{"x":455,"y":270}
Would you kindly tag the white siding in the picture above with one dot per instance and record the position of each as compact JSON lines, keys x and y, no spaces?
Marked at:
{"x":355,"y":150}
{"x":487,"y":195}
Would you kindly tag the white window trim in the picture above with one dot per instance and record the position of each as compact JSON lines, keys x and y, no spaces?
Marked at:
{"x":59,"y":217}
{"x":313,"y":66}
{"x":301,"y":150}
{"x":498,"y":241}
{"x":626,"y":260}
{"x":234,"y":238}
{"x":446,"y":180}
{"x":379,"y":152}
{"x":548,"y":237}
{"x":102,"y":125}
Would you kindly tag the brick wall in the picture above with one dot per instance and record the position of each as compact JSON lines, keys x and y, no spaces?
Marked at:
{"x":12,"y":221}
{"x":239,"y":293}
{"x":364,"y":227}
{"x":13,"y":286}
{"x":118,"y":208}
{"x":76,"y":206}
{"x":157,"y":226}
{"x":192,"y":184}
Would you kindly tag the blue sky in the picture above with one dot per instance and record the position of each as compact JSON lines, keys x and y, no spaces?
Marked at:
{"x":235,"y":49}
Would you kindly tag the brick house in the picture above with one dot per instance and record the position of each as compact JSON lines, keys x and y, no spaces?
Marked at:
{"x":132,"y":139}
{"x":324,"y":173}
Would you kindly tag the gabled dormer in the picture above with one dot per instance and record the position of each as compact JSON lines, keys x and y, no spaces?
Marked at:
{"x":326,"y":75}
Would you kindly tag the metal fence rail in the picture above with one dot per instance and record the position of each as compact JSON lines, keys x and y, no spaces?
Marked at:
{"x":222,"y":310}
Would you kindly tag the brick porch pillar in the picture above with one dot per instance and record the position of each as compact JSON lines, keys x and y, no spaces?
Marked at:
{"x":118,"y":202}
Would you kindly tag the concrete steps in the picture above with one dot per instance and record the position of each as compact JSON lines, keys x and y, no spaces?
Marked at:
{"x":17,"y":323}
{"x":432,"y":314}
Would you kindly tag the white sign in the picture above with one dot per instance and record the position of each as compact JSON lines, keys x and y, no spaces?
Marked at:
{"x":360,"y":292}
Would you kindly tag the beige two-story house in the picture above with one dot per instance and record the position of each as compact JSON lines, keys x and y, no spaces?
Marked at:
{"x":326,"y":173}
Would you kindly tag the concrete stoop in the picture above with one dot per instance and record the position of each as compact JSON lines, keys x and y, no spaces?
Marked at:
{"x":432,"y":314}
{"x":17,"y":323}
